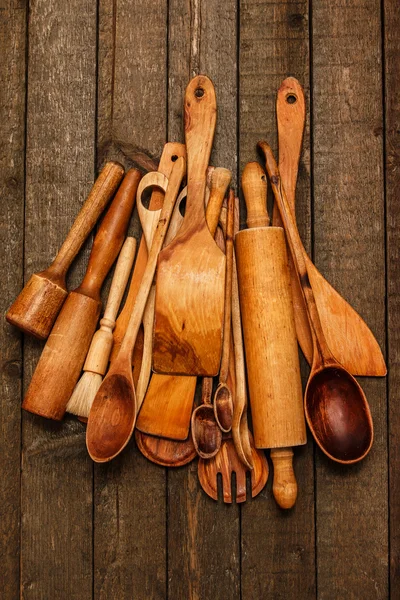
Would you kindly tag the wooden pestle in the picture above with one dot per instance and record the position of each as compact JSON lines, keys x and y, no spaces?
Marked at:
{"x":63,"y":356}
{"x":272,"y":358}
{"x":38,"y":304}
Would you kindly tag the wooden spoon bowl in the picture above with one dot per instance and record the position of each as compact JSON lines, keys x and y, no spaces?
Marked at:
{"x":114,"y":418}
{"x":338,"y":415}
{"x":223,"y":407}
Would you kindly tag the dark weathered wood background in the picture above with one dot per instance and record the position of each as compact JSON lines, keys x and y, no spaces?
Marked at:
{"x":82,"y":82}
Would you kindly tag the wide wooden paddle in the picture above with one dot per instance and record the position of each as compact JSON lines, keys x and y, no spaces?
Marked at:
{"x":113,"y":414}
{"x":38,"y":304}
{"x":348,"y":336}
{"x":191,"y":270}
{"x":168,"y":404}
{"x":61,"y":362}
{"x":171,"y":152}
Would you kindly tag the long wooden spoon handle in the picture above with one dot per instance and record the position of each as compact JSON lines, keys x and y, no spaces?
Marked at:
{"x":254,"y":185}
{"x":101,"y":193}
{"x":321,"y":349}
{"x":171,"y":195}
{"x":291,"y":118}
{"x":223,"y":374}
{"x":110,"y":236}
{"x":100,"y":347}
{"x":200,"y":119}
{"x":284,"y":486}
{"x":171,"y":152}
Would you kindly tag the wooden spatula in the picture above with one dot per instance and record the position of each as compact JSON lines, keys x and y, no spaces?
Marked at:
{"x":348,"y":336}
{"x":168,"y":404}
{"x":191,"y":270}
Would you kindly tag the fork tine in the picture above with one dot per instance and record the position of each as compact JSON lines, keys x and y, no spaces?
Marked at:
{"x":241,"y":484}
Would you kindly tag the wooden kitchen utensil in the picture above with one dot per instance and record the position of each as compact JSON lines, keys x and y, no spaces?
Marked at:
{"x":171,"y":152}
{"x":96,"y":362}
{"x":240,"y":430}
{"x":189,"y":310}
{"x":223,"y":403}
{"x":63,"y":356}
{"x":206,"y":433}
{"x":168,"y":404}
{"x":113,"y":414}
{"x":268,"y":325}
{"x":163,"y":452}
{"x":227,"y":462}
{"x":348,"y":336}
{"x":37,"y":306}
{"x":336,"y":409}
{"x":149,"y":220}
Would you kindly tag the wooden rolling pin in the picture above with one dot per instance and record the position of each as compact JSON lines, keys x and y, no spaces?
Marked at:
{"x":37,"y":306}
{"x":272,"y":357}
{"x":63,"y":356}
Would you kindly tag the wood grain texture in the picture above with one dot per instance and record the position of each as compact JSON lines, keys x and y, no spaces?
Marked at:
{"x":274,"y":44}
{"x":56,"y":551}
{"x":198,"y":529}
{"x":349,"y":251}
{"x":131,"y":126}
{"x":12,"y":135}
{"x":392,"y":176}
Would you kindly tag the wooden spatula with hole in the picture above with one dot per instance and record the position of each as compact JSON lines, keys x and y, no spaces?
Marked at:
{"x":348,"y":336}
{"x":190,"y":283}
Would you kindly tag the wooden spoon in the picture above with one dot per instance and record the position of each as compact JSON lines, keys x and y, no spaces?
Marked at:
{"x":223,"y":403}
{"x":336,"y":408}
{"x":347,"y":334}
{"x":189,"y":310}
{"x":206,"y":434}
{"x":113,"y":414}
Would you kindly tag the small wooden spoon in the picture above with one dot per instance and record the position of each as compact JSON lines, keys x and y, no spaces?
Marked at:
{"x":206,"y":434}
{"x":223,"y":402}
{"x":336,"y":408}
{"x":113,"y":414}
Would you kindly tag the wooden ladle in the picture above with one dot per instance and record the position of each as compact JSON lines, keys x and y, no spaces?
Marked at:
{"x":113,"y":414}
{"x":336,"y":408}
{"x":206,"y":434}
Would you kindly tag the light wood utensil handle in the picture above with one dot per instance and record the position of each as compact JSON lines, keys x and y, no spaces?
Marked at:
{"x":100,"y":348}
{"x":171,"y":152}
{"x":171,"y":195}
{"x":284,"y":485}
{"x":223,"y":375}
{"x":200,"y":108}
{"x":110,"y":236}
{"x":220,"y":180}
{"x":291,"y":117}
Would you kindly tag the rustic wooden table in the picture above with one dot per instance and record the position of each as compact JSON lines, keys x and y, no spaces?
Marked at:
{"x":85,"y":81}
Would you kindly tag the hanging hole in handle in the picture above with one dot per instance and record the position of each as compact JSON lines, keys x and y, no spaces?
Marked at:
{"x":182,"y":206}
{"x":291,"y":99}
{"x":263,"y":178}
{"x":199,"y":92}
{"x":174,"y":157}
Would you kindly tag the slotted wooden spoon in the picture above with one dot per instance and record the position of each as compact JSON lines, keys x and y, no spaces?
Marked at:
{"x":191,"y":270}
{"x":348,"y":336}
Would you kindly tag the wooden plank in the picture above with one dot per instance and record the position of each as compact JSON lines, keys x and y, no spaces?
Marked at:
{"x":273,"y":45}
{"x":352,"y":529}
{"x":130,"y":493}
{"x":203,"y":536}
{"x":392,"y":147}
{"x":12,"y":133}
{"x":56,"y":553}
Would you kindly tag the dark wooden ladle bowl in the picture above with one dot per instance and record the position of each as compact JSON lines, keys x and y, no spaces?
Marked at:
{"x":206,"y":434}
{"x":336,"y":408}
